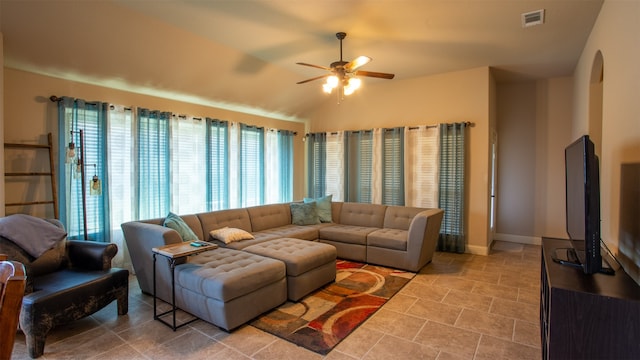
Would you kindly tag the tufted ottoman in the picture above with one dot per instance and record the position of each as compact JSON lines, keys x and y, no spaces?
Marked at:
{"x":310,"y":264}
{"x":229,"y":287}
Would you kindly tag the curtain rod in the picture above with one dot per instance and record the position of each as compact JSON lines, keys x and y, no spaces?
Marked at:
{"x":55,"y":98}
{"x":467,"y":123}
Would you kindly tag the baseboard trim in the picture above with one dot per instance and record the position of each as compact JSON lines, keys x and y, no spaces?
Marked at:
{"x":530,"y":240}
{"x":485,"y":250}
{"x":477,"y":250}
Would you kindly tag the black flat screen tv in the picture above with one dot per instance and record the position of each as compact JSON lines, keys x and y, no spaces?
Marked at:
{"x":583,"y":204}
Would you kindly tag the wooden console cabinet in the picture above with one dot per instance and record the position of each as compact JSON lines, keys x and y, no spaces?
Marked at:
{"x":587,"y":316}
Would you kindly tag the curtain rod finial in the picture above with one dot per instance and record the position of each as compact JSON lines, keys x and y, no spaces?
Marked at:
{"x":55,"y":98}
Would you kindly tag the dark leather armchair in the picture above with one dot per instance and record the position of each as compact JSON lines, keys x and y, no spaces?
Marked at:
{"x":66,"y":283}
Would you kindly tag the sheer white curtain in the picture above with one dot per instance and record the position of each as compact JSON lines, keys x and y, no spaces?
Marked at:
{"x":271,"y":163}
{"x":421,"y":166}
{"x":376,"y":171}
{"x":334,"y":174}
{"x":188,"y":169}
{"x":234,"y":168}
{"x":122,"y":175}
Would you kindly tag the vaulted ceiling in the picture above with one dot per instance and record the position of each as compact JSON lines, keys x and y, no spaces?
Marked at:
{"x":242,"y":54}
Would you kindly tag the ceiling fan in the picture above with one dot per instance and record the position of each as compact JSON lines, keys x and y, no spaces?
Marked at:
{"x":343,"y":74}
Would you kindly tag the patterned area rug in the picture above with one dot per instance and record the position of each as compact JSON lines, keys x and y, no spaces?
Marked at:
{"x":322,"y":319}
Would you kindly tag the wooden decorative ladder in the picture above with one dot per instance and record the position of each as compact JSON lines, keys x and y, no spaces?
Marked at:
{"x":51,"y":174}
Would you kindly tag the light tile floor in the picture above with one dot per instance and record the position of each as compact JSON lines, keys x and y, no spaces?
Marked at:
{"x":460,"y":306}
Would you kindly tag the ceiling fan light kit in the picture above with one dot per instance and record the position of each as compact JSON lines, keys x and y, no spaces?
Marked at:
{"x":342,"y":75}
{"x":348,"y":85}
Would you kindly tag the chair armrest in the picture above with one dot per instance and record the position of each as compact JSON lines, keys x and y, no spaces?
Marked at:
{"x":91,"y":255}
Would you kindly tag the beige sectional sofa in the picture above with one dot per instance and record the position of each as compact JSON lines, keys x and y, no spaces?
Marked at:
{"x":394,"y":236}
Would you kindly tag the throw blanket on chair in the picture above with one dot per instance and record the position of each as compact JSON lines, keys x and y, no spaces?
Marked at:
{"x":32,"y":234}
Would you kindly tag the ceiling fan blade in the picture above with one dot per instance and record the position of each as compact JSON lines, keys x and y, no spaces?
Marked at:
{"x":354,"y":64}
{"x":314,"y":78}
{"x":315,"y":66}
{"x":374,"y":74}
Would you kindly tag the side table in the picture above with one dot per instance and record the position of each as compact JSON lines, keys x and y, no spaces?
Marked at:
{"x":174,"y":252}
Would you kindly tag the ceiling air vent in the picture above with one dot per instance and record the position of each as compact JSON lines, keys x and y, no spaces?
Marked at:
{"x":533,"y":18}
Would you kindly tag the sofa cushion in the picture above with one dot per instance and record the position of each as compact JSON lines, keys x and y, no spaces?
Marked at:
{"x":257,"y":239}
{"x":225,"y":274}
{"x":400,"y":217}
{"x":388,"y":238}
{"x":269,"y":216}
{"x":228,"y":235}
{"x":323,"y":207}
{"x":309,"y":232}
{"x":346,"y":233}
{"x":176,"y":223}
{"x":360,"y":214}
{"x":336,"y":209}
{"x":233,"y":218}
{"x":298,"y":255}
{"x":304,"y":213}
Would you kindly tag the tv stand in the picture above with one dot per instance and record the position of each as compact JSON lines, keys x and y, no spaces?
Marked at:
{"x":568,"y":257}
{"x":585,"y":316}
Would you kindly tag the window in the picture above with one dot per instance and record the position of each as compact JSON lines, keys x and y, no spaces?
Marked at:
{"x":188,"y":164}
{"x":334,"y":178}
{"x":392,"y":166}
{"x":316,"y":162}
{"x":154,"y":196}
{"x":279,"y":166}
{"x":218,"y":160}
{"x":84,"y":124}
{"x":160,"y":162}
{"x":358,"y":166}
{"x":396,"y":166}
{"x":251,"y":165}
{"x":421,"y":166}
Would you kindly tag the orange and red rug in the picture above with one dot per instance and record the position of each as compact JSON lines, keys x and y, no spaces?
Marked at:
{"x":322,"y":319}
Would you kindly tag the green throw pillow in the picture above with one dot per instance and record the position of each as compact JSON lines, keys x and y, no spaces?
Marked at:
{"x":176,"y":223}
{"x":304,"y":214}
{"x":323,"y":207}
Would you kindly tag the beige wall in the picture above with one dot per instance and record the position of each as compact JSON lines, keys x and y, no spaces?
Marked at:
{"x":30,"y":115}
{"x":554,"y":134}
{"x":616,"y":35}
{"x":534,"y":126}
{"x":451,"y":97}
{"x":516,"y":159}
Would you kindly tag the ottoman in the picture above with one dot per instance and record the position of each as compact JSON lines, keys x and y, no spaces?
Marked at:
{"x":229,"y":287}
{"x":309,"y":264}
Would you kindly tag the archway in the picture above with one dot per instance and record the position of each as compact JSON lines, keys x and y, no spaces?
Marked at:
{"x":595,"y":101}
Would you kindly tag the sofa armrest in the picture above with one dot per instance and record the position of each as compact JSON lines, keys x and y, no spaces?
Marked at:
{"x":423,"y":235}
{"x":91,"y":255}
{"x":141,"y":238}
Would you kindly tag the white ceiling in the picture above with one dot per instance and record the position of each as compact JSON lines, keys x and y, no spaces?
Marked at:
{"x":241,"y":54}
